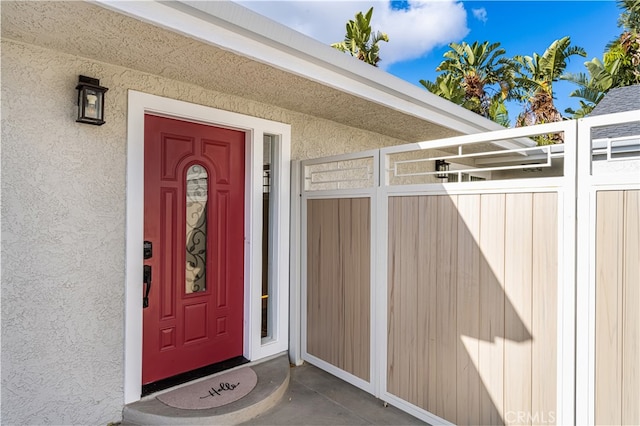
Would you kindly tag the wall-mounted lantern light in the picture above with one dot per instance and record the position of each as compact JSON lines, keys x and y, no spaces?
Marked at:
{"x":90,"y":101}
{"x":443,"y":167}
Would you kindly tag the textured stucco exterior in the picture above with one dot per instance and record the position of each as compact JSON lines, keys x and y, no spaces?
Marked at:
{"x":63,"y":227}
{"x":88,"y":30}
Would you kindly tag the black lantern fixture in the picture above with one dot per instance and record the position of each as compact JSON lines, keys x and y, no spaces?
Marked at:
{"x":90,"y":101}
{"x":442,"y":167}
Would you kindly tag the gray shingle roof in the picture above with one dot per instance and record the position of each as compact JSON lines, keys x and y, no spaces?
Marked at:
{"x":620,"y":99}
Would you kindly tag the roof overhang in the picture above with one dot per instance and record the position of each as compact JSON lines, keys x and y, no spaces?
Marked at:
{"x":271,"y":63}
{"x":242,"y":31}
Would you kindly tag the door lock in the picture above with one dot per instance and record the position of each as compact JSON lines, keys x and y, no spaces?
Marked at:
{"x":148,"y":250}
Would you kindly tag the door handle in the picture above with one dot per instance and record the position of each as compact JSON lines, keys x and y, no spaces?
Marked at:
{"x":147,"y":283}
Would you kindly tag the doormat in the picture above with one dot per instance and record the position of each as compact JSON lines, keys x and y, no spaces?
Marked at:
{"x":214,"y":392}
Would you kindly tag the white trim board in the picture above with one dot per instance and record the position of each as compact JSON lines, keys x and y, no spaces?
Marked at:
{"x":255,"y":128}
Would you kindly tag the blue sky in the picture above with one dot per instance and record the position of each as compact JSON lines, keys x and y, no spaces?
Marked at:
{"x":419,"y":30}
{"x":525,"y":27}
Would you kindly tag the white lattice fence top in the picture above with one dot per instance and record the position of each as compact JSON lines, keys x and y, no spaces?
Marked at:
{"x":349,"y":173}
{"x":522,"y":153}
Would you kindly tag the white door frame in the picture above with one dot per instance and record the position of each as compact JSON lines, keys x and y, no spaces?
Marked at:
{"x":255,"y":129}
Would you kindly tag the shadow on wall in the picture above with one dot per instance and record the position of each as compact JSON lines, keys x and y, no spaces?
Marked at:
{"x":472,"y":306}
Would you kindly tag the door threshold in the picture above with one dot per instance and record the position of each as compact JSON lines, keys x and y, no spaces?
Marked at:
{"x":198,"y":373}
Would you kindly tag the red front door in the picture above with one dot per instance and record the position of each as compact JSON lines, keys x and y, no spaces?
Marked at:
{"x":194,"y":220}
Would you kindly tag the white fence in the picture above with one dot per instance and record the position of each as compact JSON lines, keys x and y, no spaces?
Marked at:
{"x":421,"y":249}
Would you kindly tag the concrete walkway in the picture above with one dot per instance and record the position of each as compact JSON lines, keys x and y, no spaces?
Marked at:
{"x":315,"y":397}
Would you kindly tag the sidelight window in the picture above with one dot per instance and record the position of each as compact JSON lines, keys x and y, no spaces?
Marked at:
{"x":268,"y":201}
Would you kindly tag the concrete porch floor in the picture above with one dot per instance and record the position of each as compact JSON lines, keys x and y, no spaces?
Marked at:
{"x":315,"y":397}
{"x":284,"y":395}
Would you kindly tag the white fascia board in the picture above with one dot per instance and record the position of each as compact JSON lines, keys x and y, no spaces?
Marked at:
{"x":237,"y":29}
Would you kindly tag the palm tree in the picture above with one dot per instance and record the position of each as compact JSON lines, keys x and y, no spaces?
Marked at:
{"x":476,"y":76}
{"x":536,"y":77}
{"x":360,"y":41}
{"x":626,"y":48}
{"x":594,"y":86}
{"x":630,"y":18}
{"x":620,"y":65}
{"x":498,"y":112}
{"x":447,"y":86}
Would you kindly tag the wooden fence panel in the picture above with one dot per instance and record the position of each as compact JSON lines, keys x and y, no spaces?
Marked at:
{"x":403,"y":365}
{"x":491,"y":361}
{"x":338,"y":283}
{"x":544,"y":314}
{"x":631,"y":309}
{"x":323,"y":324}
{"x":468,"y":310}
{"x":354,"y":214}
{"x":446,"y":327}
{"x":617,"y":386}
{"x":518,"y":289}
{"x":427,"y":301}
{"x":475,"y":321}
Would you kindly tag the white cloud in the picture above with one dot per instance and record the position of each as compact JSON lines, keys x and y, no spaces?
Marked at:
{"x":480,"y":14}
{"x":413,"y":32}
{"x":417,"y":30}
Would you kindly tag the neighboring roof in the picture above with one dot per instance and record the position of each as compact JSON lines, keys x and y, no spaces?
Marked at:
{"x":231,"y":49}
{"x":619,"y":99}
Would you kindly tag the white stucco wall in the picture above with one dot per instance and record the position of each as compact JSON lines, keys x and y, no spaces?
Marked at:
{"x":63,"y":228}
